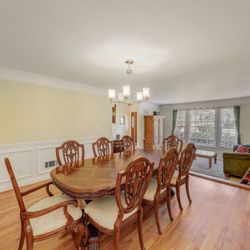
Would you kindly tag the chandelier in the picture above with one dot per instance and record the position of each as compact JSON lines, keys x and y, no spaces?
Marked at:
{"x":125,"y":96}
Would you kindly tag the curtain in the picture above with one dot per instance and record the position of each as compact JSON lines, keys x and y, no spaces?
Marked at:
{"x":237,"y":121}
{"x":174,"y":120}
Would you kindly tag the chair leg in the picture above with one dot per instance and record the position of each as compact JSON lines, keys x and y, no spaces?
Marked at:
{"x":29,"y":242}
{"x":140,"y":219}
{"x":157,"y":218}
{"x":117,"y":234}
{"x":21,"y":241}
{"x":187,"y":189}
{"x":28,"y":235}
{"x":168,"y":203}
{"x":178,"y":196}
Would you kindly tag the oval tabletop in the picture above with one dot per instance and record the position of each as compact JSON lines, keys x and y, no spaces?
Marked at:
{"x":95,"y":178}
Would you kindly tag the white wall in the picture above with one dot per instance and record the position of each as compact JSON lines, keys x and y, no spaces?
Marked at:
{"x":168,"y":113}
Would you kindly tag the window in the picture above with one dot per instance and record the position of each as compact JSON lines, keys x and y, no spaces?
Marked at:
{"x":207,"y":127}
{"x":180,"y":124}
{"x":202,"y":127}
{"x":228,"y":135}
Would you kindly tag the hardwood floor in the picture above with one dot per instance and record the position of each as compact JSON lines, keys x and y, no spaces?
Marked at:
{"x":219,"y":218}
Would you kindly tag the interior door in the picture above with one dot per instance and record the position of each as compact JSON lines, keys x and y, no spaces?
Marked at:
{"x":134,"y":126}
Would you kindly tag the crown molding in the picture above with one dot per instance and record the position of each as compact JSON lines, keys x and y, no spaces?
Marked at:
{"x":30,"y":78}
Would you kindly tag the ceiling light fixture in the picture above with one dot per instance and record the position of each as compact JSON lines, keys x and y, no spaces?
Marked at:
{"x":125,"y":96}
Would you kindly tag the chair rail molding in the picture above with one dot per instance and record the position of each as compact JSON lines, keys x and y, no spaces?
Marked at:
{"x":28,"y":160}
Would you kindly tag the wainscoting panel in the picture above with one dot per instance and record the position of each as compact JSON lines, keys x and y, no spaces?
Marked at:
{"x":28,"y":160}
{"x":22,"y":161}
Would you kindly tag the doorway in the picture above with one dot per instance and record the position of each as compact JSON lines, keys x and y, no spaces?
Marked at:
{"x":134,"y":126}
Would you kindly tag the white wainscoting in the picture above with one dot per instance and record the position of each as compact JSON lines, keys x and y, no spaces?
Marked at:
{"x":28,"y":160}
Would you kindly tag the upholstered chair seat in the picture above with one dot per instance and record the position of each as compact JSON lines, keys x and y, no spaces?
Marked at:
{"x":53,"y":220}
{"x":174,"y":179}
{"x":104,"y":211}
{"x":150,"y":193}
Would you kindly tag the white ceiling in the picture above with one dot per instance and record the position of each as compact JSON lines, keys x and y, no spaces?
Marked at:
{"x":189,"y":50}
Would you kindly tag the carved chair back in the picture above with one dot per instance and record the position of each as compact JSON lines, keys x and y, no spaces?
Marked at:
{"x":172,"y":141}
{"x":15,"y":185}
{"x":166,"y":168}
{"x":133,"y":183}
{"x":102,"y":147}
{"x":127,"y":145}
{"x":186,"y":159}
{"x":71,"y":151}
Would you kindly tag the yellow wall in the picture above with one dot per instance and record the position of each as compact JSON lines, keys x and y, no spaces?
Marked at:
{"x":36,"y":113}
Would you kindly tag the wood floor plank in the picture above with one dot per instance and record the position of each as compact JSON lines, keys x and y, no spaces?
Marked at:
{"x":218,"y":218}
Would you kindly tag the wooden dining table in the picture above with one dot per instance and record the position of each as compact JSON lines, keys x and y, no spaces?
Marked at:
{"x":96,"y":177}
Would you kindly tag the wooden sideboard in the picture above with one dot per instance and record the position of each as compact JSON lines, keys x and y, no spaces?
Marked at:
{"x":153,"y":132}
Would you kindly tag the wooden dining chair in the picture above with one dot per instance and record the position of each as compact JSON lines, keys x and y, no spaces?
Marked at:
{"x":127,"y":145}
{"x":48,"y":217}
{"x":183,"y":167}
{"x":172,"y":141}
{"x":102,"y":147}
{"x":110,"y":214}
{"x":69,"y":152}
{"x":159,"y":190}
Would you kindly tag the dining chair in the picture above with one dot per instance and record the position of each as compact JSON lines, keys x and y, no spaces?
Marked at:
{"x":183,"y":167}
{"x":48,"y":217}
{"x":127,"y":145}
{"x":69,"y":152}
{"x":159,"y":189}
{"x":102,"y":147}
{"x":110,"y":214}
{"x":172,"y":141}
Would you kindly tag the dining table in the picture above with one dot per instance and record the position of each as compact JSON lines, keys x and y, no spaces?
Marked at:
{"x":96,"y":177}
